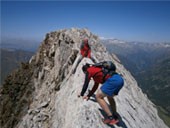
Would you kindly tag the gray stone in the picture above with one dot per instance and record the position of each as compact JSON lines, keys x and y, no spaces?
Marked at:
{"x":63,"y":109}
{"x":43,"y":105}
{"x":41,"y":117}
{"x":33,"y":111}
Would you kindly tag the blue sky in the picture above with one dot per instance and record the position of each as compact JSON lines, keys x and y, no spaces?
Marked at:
{"x":125,"y":20}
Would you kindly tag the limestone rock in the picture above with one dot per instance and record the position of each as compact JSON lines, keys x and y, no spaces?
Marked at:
{"x":55,"y":103}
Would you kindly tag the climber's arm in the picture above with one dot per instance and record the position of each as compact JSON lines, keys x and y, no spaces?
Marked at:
{"x":96,"y":85}
{"x":85,"y":85}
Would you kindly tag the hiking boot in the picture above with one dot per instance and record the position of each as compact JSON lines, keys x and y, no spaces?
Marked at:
{"x":113,"y":121}
{"x":109,"y":121}
{"x":106,"y":121}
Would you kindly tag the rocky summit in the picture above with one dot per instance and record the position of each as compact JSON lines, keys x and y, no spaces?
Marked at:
{"x":43,"y":93}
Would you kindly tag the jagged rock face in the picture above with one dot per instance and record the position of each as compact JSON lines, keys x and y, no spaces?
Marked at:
{"x":55,"y":103}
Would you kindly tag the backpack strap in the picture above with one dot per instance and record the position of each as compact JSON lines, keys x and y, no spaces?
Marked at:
{"x":111,"y":73}
{"x":96,"y":73}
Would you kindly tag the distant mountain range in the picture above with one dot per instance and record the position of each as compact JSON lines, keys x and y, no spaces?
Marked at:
{"x":20,"y":44}
{"x":137,"y":56}
{"x":13,"y":52}
{"x":11,"y":59}
{"x":149,"y":63}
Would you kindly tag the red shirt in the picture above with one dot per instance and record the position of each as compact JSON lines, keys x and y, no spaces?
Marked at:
{"x":97,"y":75}
{"x":85,"y":51}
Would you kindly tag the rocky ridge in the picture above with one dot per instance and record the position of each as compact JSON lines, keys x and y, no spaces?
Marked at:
{"x":54,"y":102}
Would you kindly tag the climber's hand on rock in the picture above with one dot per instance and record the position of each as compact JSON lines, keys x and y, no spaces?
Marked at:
{"x":86,"y":97}
{"x":79,"y":95}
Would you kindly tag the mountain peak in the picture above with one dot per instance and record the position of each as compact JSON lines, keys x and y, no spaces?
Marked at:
{"x":111,"y":41}
{"x":54,"y":98}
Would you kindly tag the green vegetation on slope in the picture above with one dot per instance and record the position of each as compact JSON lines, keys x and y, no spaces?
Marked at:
{"x":16,"y":95}
{"x":156,"y":83}
{"x":163,"y":115}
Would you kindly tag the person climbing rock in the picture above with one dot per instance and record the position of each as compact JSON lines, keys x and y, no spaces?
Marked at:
{"x":85,"y":51}
{"x":112,"y":83}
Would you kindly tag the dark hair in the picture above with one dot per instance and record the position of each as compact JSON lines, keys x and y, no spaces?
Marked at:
{"x":85,"y":67}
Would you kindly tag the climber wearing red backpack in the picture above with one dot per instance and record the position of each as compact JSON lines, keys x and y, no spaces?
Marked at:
{"x":112,"y":83}
{"x":85,"y":51}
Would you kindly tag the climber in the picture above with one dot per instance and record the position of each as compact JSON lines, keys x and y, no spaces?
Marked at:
{"x":110,"y":88}
{"x":85,"y":51}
